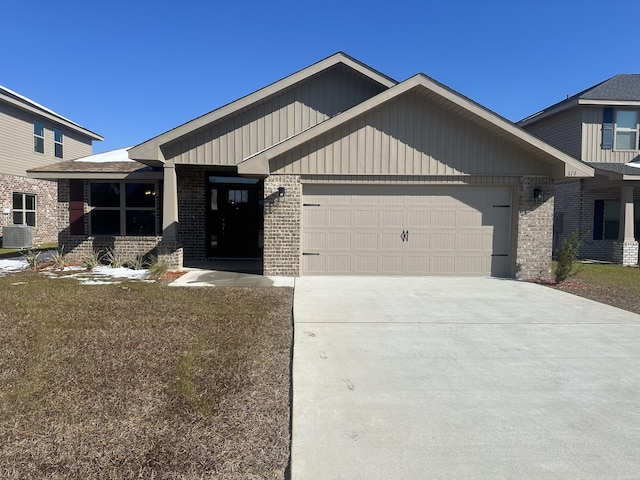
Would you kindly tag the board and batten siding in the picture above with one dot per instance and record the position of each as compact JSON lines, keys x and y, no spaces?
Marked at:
{"x":592,"y":140}
{"x":563,"y":131}
{"x":16,"y":142}
{"x":408,"y":136}
{"x":232,"y":139}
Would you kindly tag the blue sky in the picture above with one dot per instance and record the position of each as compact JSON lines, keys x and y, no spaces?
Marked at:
{"x":131,"y":70}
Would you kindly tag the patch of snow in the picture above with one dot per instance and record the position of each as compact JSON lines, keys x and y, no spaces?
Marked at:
{"x":12,"y":265}
{"x":121,"y":272}
{"x":118,"y":155}
{"x":633,"y":164}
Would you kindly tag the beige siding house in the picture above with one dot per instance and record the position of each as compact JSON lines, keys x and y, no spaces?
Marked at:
{"x":599,"y":126}
{"x":34,"y":136}
{"x":336,"y":169}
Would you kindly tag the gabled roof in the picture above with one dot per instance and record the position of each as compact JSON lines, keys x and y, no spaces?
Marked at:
{"x":622,"y":89}
{"x":150,"y":150}
{"x":258,"y":164}
{"x":29,"y":105}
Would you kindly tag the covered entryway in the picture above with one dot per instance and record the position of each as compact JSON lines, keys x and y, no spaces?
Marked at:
{"x":439,"y":230}
{"x":234,"y":216}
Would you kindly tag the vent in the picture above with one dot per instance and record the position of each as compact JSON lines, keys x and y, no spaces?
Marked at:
{"x":17,"y":236}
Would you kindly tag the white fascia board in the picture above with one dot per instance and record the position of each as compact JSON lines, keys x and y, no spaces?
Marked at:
{"x":147,"y":150}
{"x":611,"y":103}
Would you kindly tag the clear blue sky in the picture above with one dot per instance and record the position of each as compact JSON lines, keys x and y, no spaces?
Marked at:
{"x":131,"y":70}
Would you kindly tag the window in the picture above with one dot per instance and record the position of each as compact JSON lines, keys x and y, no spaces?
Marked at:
{"x":38,"y":136}
{"x":121,"y":208}
{"x":57,"y":142}
{"x":626,"y":130}
{"x":606,"y":219}
{"x":24,"y":209}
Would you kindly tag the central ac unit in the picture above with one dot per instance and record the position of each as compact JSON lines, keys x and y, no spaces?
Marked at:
{"x":17,"y":236}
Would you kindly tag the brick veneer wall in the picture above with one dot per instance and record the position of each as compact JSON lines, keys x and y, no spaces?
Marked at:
{"x":192,"y":210}
{"x":76,"y":247}
{"x":282,"y":225}
{"x":46,"y":205}
{"x":535,"y":229}
{"x":574,"y":209}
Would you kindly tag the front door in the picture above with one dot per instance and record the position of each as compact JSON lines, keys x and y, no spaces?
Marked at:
{"x":233,"y":217}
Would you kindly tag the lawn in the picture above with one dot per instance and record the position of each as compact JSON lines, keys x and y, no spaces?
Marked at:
{"x":142,"y":380}
{"x":611,"y":284}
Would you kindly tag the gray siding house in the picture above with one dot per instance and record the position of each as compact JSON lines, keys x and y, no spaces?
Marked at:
{"x":33,"y":136}
{"x":600,"y":126}
{"x":336,"y":169}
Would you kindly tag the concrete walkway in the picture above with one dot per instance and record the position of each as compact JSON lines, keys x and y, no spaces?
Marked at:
{"x":461,"y":378}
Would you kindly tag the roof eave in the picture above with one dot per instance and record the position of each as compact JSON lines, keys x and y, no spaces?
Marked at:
{"x":50,"y":116}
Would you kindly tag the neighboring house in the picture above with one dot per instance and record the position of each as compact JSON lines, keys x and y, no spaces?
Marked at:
{"x":336,"y":169}
{"x":601,"y":127}
{"x":32,"y":136}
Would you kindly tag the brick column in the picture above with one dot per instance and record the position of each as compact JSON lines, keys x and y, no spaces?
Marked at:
{"x":535,"y":228}
{"x":625,"y":250}
{"x":282,"y":225}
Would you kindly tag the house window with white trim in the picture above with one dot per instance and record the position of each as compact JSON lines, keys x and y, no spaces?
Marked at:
{"x":24,"y":209}
{"x":57,"y":142}
{"x":38,"y":136}
{"x":626,"y":130}
{"x":122,"y":209}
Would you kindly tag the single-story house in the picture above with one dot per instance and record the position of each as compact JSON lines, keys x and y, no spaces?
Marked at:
{"x":600,"y":126}
{"x":336,"y":169}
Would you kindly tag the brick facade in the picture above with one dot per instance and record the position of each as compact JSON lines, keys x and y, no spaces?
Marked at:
{"x":535,"y":228}
{"x":192,"y":210}
{"x":282,"y":225}
{"x":46,"y":205}
{"x":575,"y":207}
{"x":77,"y":247}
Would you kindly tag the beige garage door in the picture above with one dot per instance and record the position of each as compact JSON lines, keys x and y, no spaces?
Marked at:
{"x":406,"y":230}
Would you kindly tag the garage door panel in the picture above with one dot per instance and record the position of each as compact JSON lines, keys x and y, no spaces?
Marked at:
{"x":339,"y":217}
{"x":338,"y":241}
{"x":453,"y":230}
{"x":392,"y":218}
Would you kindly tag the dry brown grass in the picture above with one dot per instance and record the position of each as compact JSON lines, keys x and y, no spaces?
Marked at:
{"x":142,"y":380}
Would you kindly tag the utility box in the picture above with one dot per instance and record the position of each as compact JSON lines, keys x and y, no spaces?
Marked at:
{"x":17,"y":236}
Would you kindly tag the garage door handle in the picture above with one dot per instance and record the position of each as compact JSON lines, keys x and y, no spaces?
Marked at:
{"x":405,"y":235}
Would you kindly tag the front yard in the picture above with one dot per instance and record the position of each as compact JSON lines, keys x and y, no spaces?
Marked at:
{"x":140,"y":380}
{"x":609,"y":284}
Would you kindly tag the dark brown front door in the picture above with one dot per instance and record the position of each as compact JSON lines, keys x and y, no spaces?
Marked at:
{"x":233,"y":217}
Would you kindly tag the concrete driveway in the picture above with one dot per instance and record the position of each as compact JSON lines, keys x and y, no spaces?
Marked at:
{"x":461,"y":378}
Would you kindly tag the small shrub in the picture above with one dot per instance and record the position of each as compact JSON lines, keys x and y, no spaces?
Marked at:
{"x":114,"y":259}
{"x":138,"y":262}
{"x":157,"y":267}
{"x":58,"y":259}
{"x":32,"y":258}
{"x":92,"y":260}
{"x":568,"y":257}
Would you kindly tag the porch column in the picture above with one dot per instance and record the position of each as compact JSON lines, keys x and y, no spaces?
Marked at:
{"x":625,"y":250}
{"x":626,"y":214}
{"x":170,"y":203}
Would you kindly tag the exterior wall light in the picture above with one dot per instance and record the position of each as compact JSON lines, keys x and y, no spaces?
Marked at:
{"x":281,"y":192}
{"x":537,"y":194}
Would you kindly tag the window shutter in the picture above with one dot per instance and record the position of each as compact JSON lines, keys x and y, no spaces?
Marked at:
{"x":76,"y":207}
{"x":598,"y":220}
{"x":607,"y":129}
